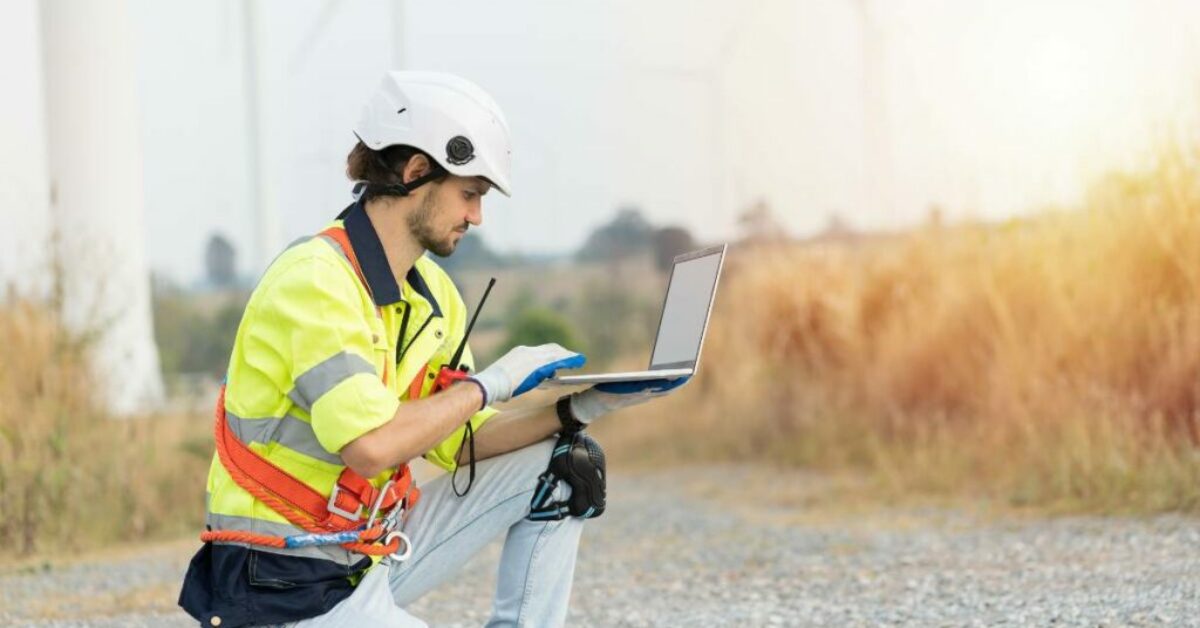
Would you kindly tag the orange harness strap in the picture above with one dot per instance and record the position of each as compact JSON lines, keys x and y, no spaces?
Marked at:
{"x":302,"y":506}
{"x":352,"y":497}
{"x":342,"y":239}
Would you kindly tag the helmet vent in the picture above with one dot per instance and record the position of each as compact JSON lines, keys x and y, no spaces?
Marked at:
{"x":459,"y":150}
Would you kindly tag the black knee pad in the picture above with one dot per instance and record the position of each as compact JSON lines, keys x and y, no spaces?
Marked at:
{"x":577,"y":460}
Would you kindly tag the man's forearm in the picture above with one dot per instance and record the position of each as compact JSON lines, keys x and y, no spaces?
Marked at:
{"x":417,"y":427}
{"x":513,"y":429}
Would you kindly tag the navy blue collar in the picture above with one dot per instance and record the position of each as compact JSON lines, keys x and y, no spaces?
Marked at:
{"x":374,"y":262}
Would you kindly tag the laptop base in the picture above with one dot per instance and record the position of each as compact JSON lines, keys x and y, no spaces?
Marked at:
{"x":600,"y":378}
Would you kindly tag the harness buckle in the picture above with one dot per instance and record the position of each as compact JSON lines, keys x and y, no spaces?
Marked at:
{"x":338,"y":510}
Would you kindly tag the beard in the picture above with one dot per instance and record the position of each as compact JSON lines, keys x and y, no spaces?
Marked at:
{"x":420,"y":224}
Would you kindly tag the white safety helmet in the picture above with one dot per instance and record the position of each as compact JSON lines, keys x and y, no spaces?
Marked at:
{"x":450,"y":118}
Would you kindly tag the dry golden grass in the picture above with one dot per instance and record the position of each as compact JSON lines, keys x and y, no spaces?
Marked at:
{"x":1053,"y":361}
{"x":72,"y":477}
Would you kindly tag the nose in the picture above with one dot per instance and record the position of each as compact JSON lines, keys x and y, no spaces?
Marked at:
{"x":475,"y":213}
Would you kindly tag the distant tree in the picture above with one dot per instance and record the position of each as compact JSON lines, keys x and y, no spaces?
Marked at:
{"x":629,"y":233}
{"x":759,"y":224}
{"x":220,"y":261}
{"x":935,"y":216}
{"x":670,"y":242}
{"x":172,"y":319}
{"x":211,"y":351}
{"x":539,"y":325}
{"x":523,"y":299}
{"x":836,"y":227}
{"x":471,"y":252}
{"x":615,"y":321}
{"x":192,"y":335}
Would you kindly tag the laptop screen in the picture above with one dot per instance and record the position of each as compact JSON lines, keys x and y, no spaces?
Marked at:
{"x":685,"y":311}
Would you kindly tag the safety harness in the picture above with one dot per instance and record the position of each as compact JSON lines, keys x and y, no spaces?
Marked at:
{"x":356,"y":515}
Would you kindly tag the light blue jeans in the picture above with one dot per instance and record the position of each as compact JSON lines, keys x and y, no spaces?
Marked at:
{"x":537,"y":564}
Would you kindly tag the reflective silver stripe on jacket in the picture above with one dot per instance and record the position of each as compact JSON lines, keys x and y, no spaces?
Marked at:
{"x":334,"y":553}
{"x":320,"y":379}
{"x":337,"y":247}
{"x":289,"y":431}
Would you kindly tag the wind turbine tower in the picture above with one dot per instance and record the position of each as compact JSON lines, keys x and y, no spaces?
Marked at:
{"x":878,"y":185}
{"x":96,"y":201}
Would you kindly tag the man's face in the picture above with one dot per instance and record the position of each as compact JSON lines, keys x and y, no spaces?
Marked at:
{"x":446,"y":212}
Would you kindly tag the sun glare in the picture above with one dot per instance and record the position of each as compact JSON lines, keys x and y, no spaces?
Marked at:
{"x":1072,"y":93}
{"x":1058,"y":76}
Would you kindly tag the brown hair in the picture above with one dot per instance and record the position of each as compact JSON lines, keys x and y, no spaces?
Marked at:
{"x":379,"y":166}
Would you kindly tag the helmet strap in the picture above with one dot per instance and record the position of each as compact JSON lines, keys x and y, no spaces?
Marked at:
{"x":402,"y":189}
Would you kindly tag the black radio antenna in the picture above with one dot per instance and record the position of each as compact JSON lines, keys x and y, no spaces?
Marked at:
{"x":463,"y":344}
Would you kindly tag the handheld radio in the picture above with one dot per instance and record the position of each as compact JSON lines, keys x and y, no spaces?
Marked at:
{"x":452,"y":372}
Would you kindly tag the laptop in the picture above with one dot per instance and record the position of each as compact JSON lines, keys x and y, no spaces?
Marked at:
{"x":681,"y":326}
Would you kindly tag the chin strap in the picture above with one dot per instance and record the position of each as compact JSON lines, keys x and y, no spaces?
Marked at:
{"x":577,"y":460}
{"x":364,"y":190}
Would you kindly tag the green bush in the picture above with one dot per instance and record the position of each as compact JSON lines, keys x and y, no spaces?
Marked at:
{"x":616,"y":322}
{"x":195,"y":332}
{"x":539,"y":325}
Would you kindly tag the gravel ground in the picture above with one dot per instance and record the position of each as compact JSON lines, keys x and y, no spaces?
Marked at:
{"x":733,"y":546}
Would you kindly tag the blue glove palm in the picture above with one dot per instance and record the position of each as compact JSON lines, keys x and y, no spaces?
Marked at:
{"x":545,"y":372}
{"x":609,"y":397}
{"x":644,"y":385}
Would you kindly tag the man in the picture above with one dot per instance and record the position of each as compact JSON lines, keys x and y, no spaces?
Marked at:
{"x":336,"y":381}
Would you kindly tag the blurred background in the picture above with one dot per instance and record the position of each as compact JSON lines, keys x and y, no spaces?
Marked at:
{"x":965,"y":235}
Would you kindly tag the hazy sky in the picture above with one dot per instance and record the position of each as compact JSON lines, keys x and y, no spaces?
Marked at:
{"x":690,"y":110}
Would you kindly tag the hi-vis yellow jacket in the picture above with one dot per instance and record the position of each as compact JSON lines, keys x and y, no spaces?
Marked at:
{"x":310,"y":362}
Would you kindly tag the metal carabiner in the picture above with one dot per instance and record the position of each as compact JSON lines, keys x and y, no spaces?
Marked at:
{"x":398,"y":555}
{"x":378,"y":502}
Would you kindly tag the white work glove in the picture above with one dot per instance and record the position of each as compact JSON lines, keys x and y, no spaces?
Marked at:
{"x":522,"y":369}
{"x":601,"y":399}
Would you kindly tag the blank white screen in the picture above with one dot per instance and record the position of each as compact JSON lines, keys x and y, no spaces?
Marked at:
{"x":685,"y":311}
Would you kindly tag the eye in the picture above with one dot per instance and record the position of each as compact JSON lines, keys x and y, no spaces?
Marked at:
{"x":469,"y":194}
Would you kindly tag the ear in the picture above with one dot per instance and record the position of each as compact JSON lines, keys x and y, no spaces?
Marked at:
{"x":418,"y":166}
